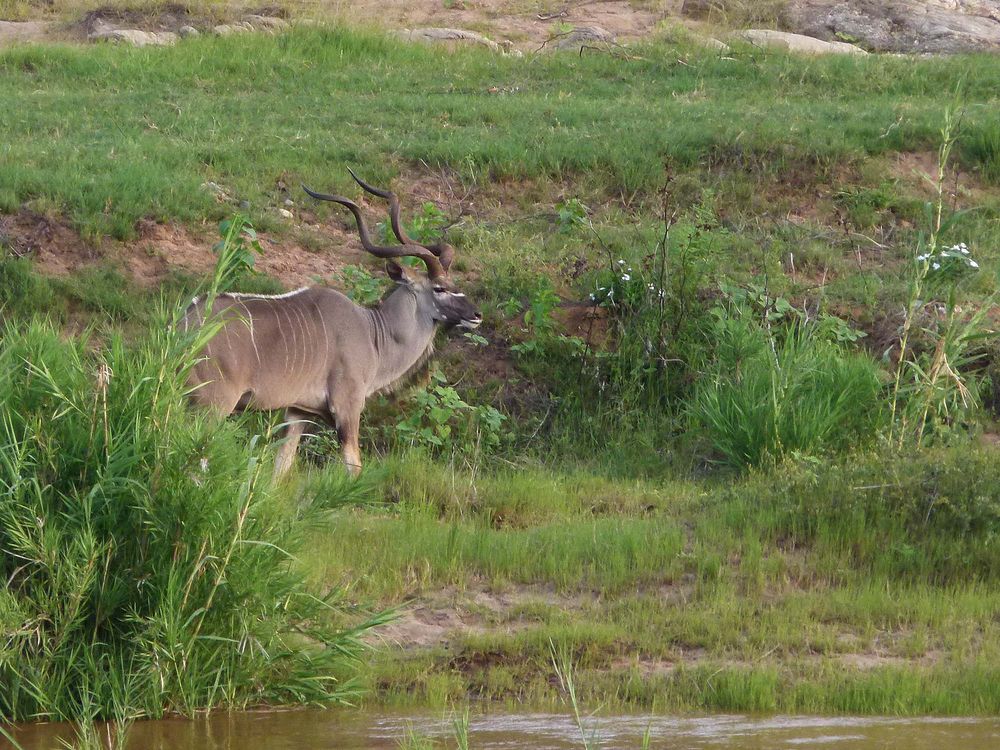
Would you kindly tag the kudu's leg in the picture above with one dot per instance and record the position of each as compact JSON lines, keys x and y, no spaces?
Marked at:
{"x":295,"y":425}
{"x":347,"y":415}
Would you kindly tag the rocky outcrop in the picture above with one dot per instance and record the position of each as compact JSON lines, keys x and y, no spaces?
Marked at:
{"x":906,"y":26}
{"x":711,"y":42}
{"x":584,"y":35}
{"x":805,"y":45}
{"x":922,"y":26}
{"x":228,"y":29}
{"x":102,"y":28}
{"x":134,"y":37}
{"x":271,"y":24}
{"x":452,"y":37}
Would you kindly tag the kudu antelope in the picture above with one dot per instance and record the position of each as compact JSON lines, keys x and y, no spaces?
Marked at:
{"x":315,"y":353}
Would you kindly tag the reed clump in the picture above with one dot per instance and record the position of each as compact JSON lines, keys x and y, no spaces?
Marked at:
{"x":146,"y":555}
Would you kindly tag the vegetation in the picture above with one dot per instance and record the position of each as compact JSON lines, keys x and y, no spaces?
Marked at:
{"x":148,"y":560}
{"x":723,"y":443}
{"x":307,"y":103}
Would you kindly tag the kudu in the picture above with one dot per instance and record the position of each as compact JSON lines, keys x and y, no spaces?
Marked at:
{"x":315,"y":353}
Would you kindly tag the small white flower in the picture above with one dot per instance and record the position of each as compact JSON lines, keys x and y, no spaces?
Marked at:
{"x":935,"y":266}
{"x":922,"y":258}
{"x":621,"y":262}
{"x":973,"y":264}
{"x":203,"y":464}
{"x":651,"y":287}
{"x":592,"y":297}
{"x":626,"y":277}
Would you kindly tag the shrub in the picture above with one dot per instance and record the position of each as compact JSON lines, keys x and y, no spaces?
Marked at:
{"x":798,"y":394}
{"x":146,"y":555}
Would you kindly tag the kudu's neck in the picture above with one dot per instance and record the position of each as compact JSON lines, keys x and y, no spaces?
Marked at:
{"x":402,"y":336}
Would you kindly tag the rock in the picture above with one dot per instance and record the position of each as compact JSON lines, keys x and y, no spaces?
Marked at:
{"x":712,"y":43}
{"x":271,"y":24}
{"x":806,"y":45}
{"x":217,"y":190}
{"x":289,"y":202}
{"x":583,"y":35}
{"x":921,"y":26}
{"x":135,"y":37}
{"x":188,"y":31}
{"x":228,"y":29}
{"x":435,"y":35}
{"x":284,"y":213}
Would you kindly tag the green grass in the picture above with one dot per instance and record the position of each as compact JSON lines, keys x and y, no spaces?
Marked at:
{"x":247,"y":111}
{"x":146,"y":556}
{"x":810,"y":589}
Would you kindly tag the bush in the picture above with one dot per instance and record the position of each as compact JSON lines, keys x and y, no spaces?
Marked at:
{"x":799,"y":394}
{"x":146,"y":555}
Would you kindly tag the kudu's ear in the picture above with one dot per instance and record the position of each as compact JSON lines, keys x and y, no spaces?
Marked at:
{"x":397,"y":273}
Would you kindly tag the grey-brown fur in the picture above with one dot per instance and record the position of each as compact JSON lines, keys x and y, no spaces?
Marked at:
{"x":315,"y":353}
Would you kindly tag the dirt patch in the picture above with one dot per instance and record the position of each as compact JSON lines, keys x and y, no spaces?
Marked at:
{"x":170,"y":246}
{"x":18,"y":32}
{"x":56,"y":249}
{"x":441,"y":619}
{"x":526,"y":24}
{"x":918,"y":169}
{"x":865,"y":662}
{"x":585,"y":321}
{"x":438,"y":618}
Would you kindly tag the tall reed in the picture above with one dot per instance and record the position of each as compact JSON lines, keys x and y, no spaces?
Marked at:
{"x":146,"y":555}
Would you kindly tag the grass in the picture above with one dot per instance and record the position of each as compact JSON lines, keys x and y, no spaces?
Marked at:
{"x":307,"y":103}
{"x":803,"y":594}
{"x":837,"y":576}
{"x":147,"y":558}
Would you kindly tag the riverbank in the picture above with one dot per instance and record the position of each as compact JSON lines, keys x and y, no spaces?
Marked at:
{"x":686,"y":454}
{"x":800,"y":593}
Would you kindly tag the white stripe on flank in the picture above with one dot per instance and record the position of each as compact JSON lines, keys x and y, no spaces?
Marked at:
{"x":253,"y":338}
{"x":240,"y":295}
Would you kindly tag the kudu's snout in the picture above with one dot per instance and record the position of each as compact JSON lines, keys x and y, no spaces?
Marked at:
{"x":472,"y":322}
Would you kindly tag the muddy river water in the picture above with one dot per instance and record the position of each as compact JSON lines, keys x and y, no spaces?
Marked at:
{"x":360,"y":730}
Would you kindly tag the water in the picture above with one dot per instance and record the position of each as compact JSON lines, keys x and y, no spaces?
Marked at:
{"x":359,"y":730}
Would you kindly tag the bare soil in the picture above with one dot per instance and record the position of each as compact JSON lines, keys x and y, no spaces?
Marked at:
{"x":441,"y":619}
{"x":57,"y":249}
{"x":527,"y":21}
{"x":528,"y":24}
